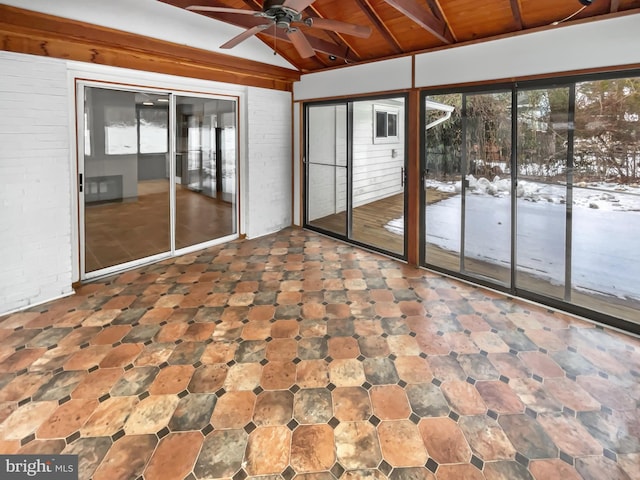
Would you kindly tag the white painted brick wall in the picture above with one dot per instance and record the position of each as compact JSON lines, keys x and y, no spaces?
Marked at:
{"x":35,"y":208}
{"x":268,"y":166}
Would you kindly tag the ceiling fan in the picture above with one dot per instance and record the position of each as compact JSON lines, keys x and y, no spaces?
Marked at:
{"x":284,"y":14}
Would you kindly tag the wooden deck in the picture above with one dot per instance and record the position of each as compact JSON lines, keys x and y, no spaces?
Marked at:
{"x":369,"y":223}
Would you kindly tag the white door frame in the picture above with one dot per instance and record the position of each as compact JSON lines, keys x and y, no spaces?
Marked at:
{"x":80,"y":85}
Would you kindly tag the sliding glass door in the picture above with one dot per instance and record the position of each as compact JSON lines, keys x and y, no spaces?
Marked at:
{"x":534,"y":190}
{"x":378,"y":173}
{"x":326,"y":199}
{"x":205,"y":169}
{"x":443,"y":180}
{"x":605,"y":266}
{"x":467,"y":184}
{"x":486,"y":189}
{"x":147,"y":189}
{"x":355,"y":171}
{"x":542,"y":188}
{"x":125,"y":183}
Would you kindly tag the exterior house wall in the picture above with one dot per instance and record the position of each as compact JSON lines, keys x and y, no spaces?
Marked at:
{"x":377,"y":164}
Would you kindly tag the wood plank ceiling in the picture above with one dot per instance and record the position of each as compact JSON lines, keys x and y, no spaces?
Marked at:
{"x":406,"y":26}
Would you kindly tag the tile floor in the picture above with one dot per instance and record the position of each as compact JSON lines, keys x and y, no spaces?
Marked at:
{"x":296,"y":356}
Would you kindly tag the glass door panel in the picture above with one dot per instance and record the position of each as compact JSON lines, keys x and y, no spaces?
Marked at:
{"x":541,"y":193}
{"x":327,"y":168}
{"x":205,"y":169}
{"x":443,"y":180}
{"x":487,"y":186}
{"x":125,"y":177}
{"x":605,"y":259}
{"x":378,"y":173}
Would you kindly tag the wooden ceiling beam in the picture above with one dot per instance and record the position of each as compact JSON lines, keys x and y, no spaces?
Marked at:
{"x":517,"y":13}
{"x":254,"y":5}
{"x":422,"y":17}
{"x":336,"y":37}
{"x":368,"y":10}
{"x":34,"y":33}
{"x":435,"y":7}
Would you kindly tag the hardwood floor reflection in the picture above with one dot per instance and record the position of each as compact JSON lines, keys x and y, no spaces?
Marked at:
{"x":120,"y":232}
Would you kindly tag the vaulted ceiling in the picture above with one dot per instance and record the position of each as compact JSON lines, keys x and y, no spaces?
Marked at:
{"x":403,"y":26}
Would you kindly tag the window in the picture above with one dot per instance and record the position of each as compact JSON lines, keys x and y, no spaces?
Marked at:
{"x":385,"y":124}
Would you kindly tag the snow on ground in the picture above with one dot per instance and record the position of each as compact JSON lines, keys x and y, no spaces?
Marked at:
{"x":609,"y":196}
{"x":605,"y":232}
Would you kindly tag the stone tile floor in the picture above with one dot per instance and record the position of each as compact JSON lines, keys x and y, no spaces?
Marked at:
{"x":296,"y":356}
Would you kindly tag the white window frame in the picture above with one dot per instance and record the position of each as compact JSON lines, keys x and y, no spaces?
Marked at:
{"x":387,"y":111}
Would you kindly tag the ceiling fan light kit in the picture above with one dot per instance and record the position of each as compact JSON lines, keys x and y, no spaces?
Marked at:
{"x":282,"y":14}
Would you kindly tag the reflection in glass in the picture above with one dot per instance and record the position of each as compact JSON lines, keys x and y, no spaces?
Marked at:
{"x":126,"y":190}
{"x":153,"y":124}
{"x":543,"y":126}
{"x":205,"y":169}
{"x":487,"y":210}
{"x":606,"y":197}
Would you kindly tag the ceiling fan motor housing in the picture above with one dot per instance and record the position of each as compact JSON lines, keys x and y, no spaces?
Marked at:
{"x":282,"y":16}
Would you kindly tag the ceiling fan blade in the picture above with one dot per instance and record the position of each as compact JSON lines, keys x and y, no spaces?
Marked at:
{"x":301,"y":43}
{"x":204,"y":8}
{"x":244,"y":35}
{"x":297,"y":5}
{"x":340,"y":27}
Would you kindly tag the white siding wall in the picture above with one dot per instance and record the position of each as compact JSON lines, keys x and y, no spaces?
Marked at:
{"x":35,"y":204}
{"x":377,"y":164}
{"x":269,"y":169}
{"x":376,"y":169}
{"x":341,"y":157}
